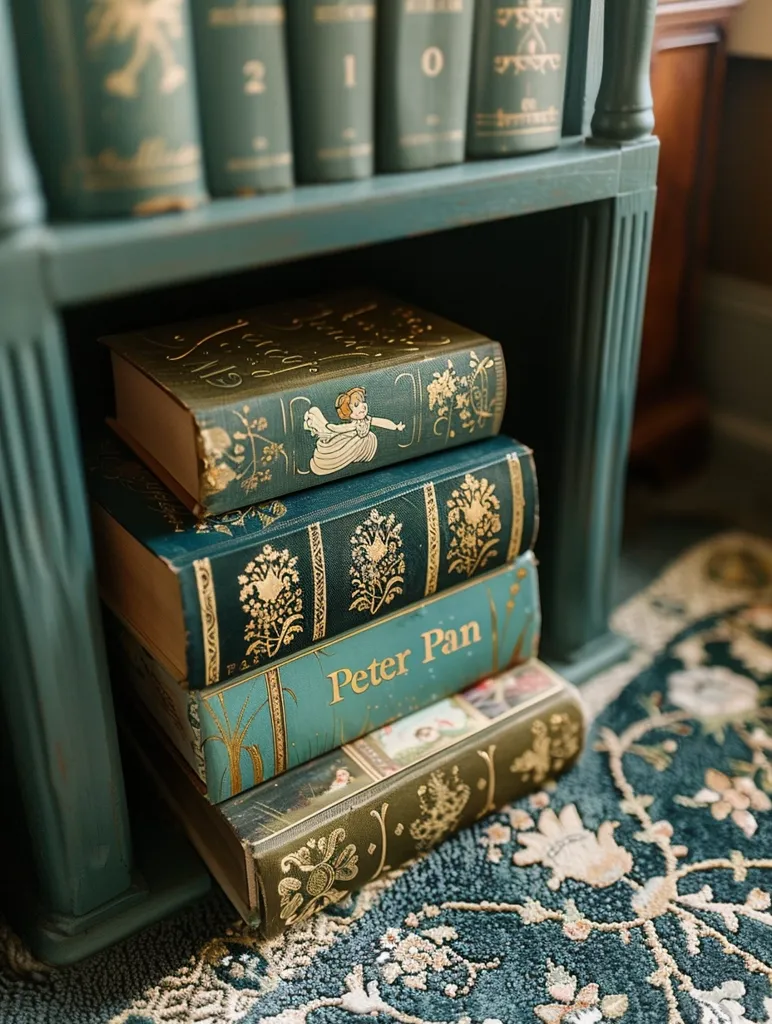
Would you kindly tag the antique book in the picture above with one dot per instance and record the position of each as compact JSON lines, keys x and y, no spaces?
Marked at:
{"x":243,"y":88}
{"x":332,"y":79}
{"x":241,"y":733}
{"x":518,"y":77}
{"x":424,"y":56}
{"x":286,"y":850}
{"x":238,"y":409}
{"x":223,"y":596}
{"x":110,"y":102}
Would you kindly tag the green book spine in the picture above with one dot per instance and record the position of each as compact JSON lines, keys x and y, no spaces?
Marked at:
{"x":111,"y":106}
{"x":241,"y":733}
{"x":243,"y":95}
{"x":424,"y":56}
{"x":287,"y":397}
{"x":332,"y":74}
{"x":518,"y":77}
{"x":274,"y":579}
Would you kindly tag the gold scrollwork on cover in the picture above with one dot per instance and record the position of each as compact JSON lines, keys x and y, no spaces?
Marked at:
{"x":468,"y":401}
{"x":442,"y":803}
{"x":377,"y":563}
{"x":274,"y":690}
{"x":432,"y":539}
{"x":311,"y":874}
{"x":210,"y":633}
{"x":272,"y":597}
{"x":518,"y":506}
{"x":319,"y":573}
{"x":553,"y":744}
{"x":474,"y":523}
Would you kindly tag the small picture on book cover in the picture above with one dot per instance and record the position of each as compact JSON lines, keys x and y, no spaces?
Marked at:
{"x":425,"y":732}
{"x":320,"y":784}
{"x":499,"y":694}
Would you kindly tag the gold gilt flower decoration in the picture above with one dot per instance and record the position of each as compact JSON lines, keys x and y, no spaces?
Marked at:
{"x":320,"y":864}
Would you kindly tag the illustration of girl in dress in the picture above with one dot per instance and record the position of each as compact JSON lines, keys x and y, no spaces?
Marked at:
{"x":340,"y":444}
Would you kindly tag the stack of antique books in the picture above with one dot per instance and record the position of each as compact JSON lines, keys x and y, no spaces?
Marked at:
{"x":316,"y":548}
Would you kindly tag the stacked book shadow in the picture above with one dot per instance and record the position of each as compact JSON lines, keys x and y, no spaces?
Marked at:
{"x":143,"y":108}
{"x":364,"y":634}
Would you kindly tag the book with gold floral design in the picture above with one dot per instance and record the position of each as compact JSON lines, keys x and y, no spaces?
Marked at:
{"x":285,"y":850}
{"x":259,"y":404}
{"x":219,"y":597}
{"x":244,"y":732}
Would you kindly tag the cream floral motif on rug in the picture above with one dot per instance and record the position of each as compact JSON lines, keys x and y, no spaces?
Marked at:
{"x":637,"y":889}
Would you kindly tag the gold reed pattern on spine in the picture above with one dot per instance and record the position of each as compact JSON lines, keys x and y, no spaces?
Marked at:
{"x":518,"y":506}
{"x":320,"y":581}
{"x":278,"y":720}
{"x":210,"y":633}
{"x":432,"y":539}
{"x":501,"y":389}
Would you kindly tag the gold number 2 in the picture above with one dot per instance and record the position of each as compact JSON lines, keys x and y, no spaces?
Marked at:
{"x":254,"y":72}
{"x":432,"y":61}
{"x":350,"y":70}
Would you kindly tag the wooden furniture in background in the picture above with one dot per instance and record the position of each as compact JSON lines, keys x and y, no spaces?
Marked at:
{"x":688,"y":62}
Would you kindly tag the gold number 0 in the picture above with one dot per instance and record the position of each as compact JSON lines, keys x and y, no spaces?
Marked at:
{"x":254,"y":72}
{"x":432,"y":61}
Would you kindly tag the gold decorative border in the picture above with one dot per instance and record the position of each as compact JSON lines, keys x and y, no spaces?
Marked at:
{"x":432,"y":539}
{"x":210,"y":633}
{"x":518,"y":506}
{"x":320,"y":581}
{"x":501,"y":388}
{"x":278,"y":720}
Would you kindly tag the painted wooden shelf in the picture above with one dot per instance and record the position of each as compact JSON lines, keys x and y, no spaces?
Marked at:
{"x":98,"y":260}
{"x":90,"y":877}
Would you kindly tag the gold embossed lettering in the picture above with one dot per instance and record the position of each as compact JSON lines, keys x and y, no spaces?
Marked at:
{"x":448,"y":641}
{"x":359,"y":677}
{"x":386,"y":666}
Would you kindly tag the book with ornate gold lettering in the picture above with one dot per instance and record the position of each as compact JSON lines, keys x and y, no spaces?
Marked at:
{"x":241,"y":733}
{"x":518,"y":76}
{"x":284,"y":851}
{"x":332,"y":82}
{"x":238,"y":409}
{"x":424,"y":56}
{"x":218,"y":597}
{"x":110,"y":97}
{"x":241,"y":59}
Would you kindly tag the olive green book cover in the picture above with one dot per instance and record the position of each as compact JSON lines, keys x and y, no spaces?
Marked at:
{"x":257,"y":585}
{"x":243,"y":84}
{"x":518,"y":76}
{"x":255,"y":727}
{"x":110,"y":100}
{"x":297,"y":845}
{"x":424,"y":56}
{"x":332,"y":78}
{"x":254,"y":405}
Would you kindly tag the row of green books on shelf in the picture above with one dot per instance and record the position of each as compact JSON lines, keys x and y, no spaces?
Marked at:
{"x":142,"y":108}
{"x":296,"y":663}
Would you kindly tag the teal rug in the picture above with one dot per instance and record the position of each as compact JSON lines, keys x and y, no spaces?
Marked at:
{"x":639,"y":889}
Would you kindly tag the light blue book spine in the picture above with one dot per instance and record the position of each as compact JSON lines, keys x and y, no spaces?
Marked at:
{"x":244,"y":732}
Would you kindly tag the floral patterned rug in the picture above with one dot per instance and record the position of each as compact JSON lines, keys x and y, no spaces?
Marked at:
{"x":638,"y":889}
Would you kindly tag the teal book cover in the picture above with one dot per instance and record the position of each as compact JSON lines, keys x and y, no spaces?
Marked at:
{"x":242,"y":733}
{"x":243,"y":86}
{"x":424,"y":58}
{"x":251,"y":587}
{"x":257,"y":404}
{"x":111,"y":106}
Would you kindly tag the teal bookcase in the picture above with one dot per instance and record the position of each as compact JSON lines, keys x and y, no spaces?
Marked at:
{"x":548,"y":253}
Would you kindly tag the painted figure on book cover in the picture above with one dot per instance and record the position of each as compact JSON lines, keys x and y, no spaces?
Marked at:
{"x":352,"y":440}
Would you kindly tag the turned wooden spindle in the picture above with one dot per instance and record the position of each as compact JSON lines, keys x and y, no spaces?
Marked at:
{"x":624,"y":108}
